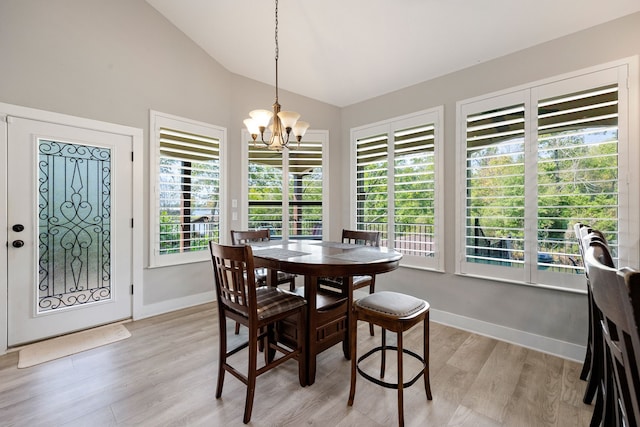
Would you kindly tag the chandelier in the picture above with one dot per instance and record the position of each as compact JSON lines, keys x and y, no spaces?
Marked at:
{"x":284,"y":122}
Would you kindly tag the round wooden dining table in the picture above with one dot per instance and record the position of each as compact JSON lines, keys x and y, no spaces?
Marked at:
{"x":327,"y":313}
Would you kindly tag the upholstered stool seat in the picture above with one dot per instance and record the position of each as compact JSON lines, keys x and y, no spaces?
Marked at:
{"x":395,"y":312}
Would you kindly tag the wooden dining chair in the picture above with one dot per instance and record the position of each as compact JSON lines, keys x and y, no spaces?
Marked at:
{"x":618,"y":392}
{"x":356,"y":237}
{"x":261,"y":309}
{"x":594,"y":356}
{"x":244,"y":237}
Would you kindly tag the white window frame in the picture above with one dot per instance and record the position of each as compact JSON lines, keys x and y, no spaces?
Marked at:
{"x":311,"y":135}
{"x":623,"y":72}
{"x":156,"y":121}
{"x":389,"y":126}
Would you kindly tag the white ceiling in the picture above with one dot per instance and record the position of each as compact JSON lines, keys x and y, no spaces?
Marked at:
{"x":345,"y":51}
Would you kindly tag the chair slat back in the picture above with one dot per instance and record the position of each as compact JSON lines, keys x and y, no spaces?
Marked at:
{"x":629,"y":286}
{"x":233,"y":272}
{"x":242,"y":237}
{"x":360,"y":237}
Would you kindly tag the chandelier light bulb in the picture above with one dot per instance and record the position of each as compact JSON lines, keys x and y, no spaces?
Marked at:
{"x":288,"y":119}
{"x":252,"y":127}
{"x":261,"y":117}
{"x":299,"y":129}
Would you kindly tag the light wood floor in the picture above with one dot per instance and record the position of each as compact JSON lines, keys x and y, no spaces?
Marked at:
{"x":165,"y":375}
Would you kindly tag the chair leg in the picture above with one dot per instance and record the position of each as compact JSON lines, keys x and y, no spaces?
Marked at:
{"x":292,"y":285}
{"x":598,"y":410}
{"x":400,"y":382}
{"x":302,"y":357}
{"x":237,"y":331}
{"x":586,"y":366}
{"x":425,"y":335}
{"x":222,"y":358}
{"x":593,"y":380}
{"x":251,"y":375}
{"x":372,"y":289}
{"x":265,"y":344}
{"x":354,"y":344}
{"x":383,"y":355}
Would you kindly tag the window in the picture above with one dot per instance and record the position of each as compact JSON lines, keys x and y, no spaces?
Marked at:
{"x":396,"y":175}
{"x":533,"y":163}
{"x":285,"y":190}
{"x":186,"y":169}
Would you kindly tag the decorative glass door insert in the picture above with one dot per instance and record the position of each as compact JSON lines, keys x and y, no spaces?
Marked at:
{"x":74,"y":235}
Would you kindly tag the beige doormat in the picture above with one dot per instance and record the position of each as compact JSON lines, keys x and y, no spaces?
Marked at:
{"x":55,"y":348}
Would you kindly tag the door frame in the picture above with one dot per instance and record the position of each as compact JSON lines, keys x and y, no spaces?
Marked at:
{"x":136,"y":135}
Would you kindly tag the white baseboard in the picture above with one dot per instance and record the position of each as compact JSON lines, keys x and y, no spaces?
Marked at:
{"x":174,"y":304}
{"x":548,"y":345}
{"x":541,"y":343}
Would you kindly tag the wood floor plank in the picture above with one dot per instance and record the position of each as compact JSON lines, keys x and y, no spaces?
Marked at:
{"x":496,"y":381}
{"x":165,"y":375}
{"x":473,"y":353}
{"x":103,"y":417}
{"x":574,"y":416}
{"x":573,"y":388}
{"x":536,"y":399}
{"x":464,"y":416}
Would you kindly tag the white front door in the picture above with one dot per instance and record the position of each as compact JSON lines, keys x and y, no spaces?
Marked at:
{"x":69,"y":216}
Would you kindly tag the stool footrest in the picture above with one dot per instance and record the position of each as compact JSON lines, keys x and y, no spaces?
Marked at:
{"x":388,"y":384}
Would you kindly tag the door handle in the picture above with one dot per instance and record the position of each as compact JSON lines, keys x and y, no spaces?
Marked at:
{"x":17,"y":228}
{"x":17,"y":243}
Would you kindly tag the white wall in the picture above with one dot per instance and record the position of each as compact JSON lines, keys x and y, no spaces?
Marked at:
{"x":554,"y":321}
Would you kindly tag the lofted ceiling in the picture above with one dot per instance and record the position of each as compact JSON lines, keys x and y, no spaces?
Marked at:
{"x":345,"y":51}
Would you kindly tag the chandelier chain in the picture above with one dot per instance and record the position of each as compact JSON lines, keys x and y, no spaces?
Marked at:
{"x":277,"y":51}
{"x":276,"y":32}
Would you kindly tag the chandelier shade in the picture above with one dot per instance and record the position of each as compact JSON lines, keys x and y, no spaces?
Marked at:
{"x":284,"y":122}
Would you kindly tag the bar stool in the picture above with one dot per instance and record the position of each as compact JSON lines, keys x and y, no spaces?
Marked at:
{"x":395,"y":312}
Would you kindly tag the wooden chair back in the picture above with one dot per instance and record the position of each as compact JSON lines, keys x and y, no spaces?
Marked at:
{"x":608,"y":298}
{"x":247,"y":236}
{"x":594,"y":361}
{"x":361,"y":237}
{"x":233,"y":273}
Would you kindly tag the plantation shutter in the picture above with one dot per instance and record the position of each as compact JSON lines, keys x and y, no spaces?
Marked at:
{"x":495,"y":172}
{"x":372,"y":199}
{"x":538,"y":161}
{"x":265,"y":186}
{"x":414,"y":191}
{"x":189,"y":191}
{"x":396,"y":185}
{"x":305,"y":189}
{"x":577,"y":172}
